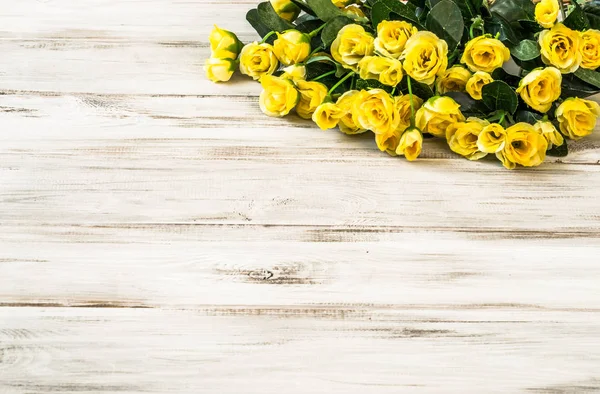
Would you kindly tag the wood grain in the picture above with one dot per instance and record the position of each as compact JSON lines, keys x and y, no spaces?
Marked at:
{"x":159,"y":234}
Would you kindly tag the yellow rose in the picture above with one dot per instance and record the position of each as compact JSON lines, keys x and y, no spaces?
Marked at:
{"x":540,"y":88}
{"x":425,"y":56}
{"x":312,"y":95}
{"x":286,"y":9}
{"x":403,"y":112}
{"x":219,"y":70}
{"x":295,"y":72}
{"x":559,"y":47}
{"x":257,"y":60}
{"x":524,"y":145}
{"x":327,"y":116}
{"x":462,"y":138}
{"x":279,"y":96}
{"x":349,"y":123}
{"x":485,"y":53}
{"x":577,"y":117}
{"x":476,"y":83}
{"x":385,"y":70}
{"x":342,"y":3}
{"x":351,"y":45}
{"x":354,"y":9}
{"x":376,"y":112}
{"x":410,"y":145}
{"x":546,"y":12}
{"x":492,"y":138}
{"x":224,"y":44}
{"x":388,"y":142}
{"x":291,"y":47}
{"x":590,"y":49}
{"x":547,"y":129}
{"x":453,"y":80}
{"x":392,"y":36}
{"x":437,"y":114}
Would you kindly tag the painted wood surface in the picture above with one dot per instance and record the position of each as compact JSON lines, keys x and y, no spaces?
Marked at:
{"x":159,"y":234}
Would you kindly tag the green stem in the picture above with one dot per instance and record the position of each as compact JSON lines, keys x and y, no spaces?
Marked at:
{"x":317,"y":49}
{"x":412,"y":106}
{"x":269,"y":34}
{"x":393,"y":91}
{"x":324,"y":75}
{"x":341,"y":81}
{"x":316,"y":31}
{"x":477,"y":24}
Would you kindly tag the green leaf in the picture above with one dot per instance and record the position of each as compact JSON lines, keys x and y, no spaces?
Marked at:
{"x":531,"y":27}
{"x":308,"y":25}
{"x":366,"y":84}
{"x":326,"y":59}
{"x":575,"y":87}
{"x":270,"y":19}
{"x":525,"y":50}
{"x":559,"y":151}
{"x":469,"y":8}
{"x":394,"y":10}
{"x":324,"y":9}
{"x":497,"y":25}
{"x":419,"y":89}
{"x":514,"y":10}
{"x":254,"y":20}
{"x":304,"y":7}
{"x":331,"y":29}
{"x":592,"y":11}
{"x":498,"y":95}
{"x":468,"y":105}
{"x":445,"y":20}
{"x":589,"y":76}
{"x":527,"y":116}
{"x":577,"y":20}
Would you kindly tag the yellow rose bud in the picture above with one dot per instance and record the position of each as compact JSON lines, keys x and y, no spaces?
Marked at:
{"x":392,"y":37}
{"x":349,"y":122}
{"x":476,"y":83}
{"x":351,"y":45}
{"x":453,"y":79}
{"x":376,"y":112}
{"x":524,"y":145}
{"x":291,"y":47}
{"x":546,"y":12}
{"x":403,"y":112}
{"x":425,"y":56}
{"x":437,"y":114}
{"x":388,"y":142}
{"x":577,"y":117}
{"x":410,"y":145}
{"x":257,"y":60}
{"x":312,"y":95}
{"x":286,"y":9}
{"x":492,"y":138}
{"x":385,"y":70}
{"x":485,"y":53}
{"x":295,"y":72}
{"x":547,"y":129}
{"x":559,"y":47}
{"x":219,"y":70}
{"x":279,"y":96}
{"x":540,"y":88}
{"x":327,"y":116}
{"x":590,"y":49}
{"x":354,"y":9}
{"x":224,"y":44}
{"x":462,"y":138}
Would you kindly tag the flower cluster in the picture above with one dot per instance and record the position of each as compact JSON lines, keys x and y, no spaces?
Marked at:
{"x":508,"y":79}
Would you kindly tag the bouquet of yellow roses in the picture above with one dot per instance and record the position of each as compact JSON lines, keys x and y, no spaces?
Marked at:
{"x":508,"y":78}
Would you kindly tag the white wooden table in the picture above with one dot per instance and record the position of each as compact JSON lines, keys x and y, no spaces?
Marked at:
{"x":159,"y":234}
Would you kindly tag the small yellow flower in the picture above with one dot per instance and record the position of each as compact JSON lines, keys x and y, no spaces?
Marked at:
{"x":410,"y":145}
{"x":540,"y":88}
{"x":453,"y":80}
{"x":286,"y":9}
{"x":295,"y":72}
{"x":462,"y":138}
{"x":492,"y":138}
{"x":437,"y":114}
{"x":385,"y":70}
{"x":425,"y":56}
{"x":485,"y":53}
{"x":327,"y":116}
{"x":403,"y":112}
{"x":392,"y":37}
{"x":291,"y":47}
{"x":219,"y":70}
{"x":257,"y":60}
{"x":559,"y":47}
{"x":312,"y":94}
{"x":224,"y":44}
{"x":590,"y":49}
{"x":279,"y":96}
{"x":524,"y":145}
{"x":476,"y":83}
{"x":577,"y":117}
{"x":351,"y":45}
{"x":376,"y":112}
{"x":547,"y":129}
{"x":354,"y":9}
{"x":388,"y":142}
{"x":546,"y":13}
{"x":349,"y":123}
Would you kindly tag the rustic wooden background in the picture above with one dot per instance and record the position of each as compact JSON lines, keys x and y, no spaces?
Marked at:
{"x":159,"y":234}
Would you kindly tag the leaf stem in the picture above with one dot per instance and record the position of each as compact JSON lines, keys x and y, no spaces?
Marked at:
{"x":269,"y":34}
{"x":412,"y":106}
{"x":324,"y":75}
{"x":341,"y":81}
{"x":317,"y":30}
